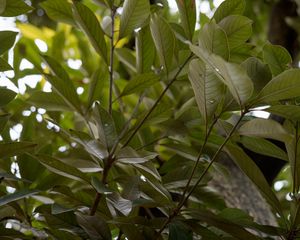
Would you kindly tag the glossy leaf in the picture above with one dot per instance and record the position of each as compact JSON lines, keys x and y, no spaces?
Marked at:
{"x":129,"y":155}
{"x":187,"y":11}
{"x":97,"y":84}
{"x":232,"y":75}
{"x":100,"y":187}
{"x":6,"y":199}
{"x":90,"y":25}
{"x":238,"y":29}
{"x":59,"y":10}
{"x":14,"y":8}
{"x":15,"y":148}
{"x":277,"y":57}
{"x":284,"y":86}
{"x":229,"y":7}
{"x":164,"y":40}
{"x":134,"y":14}
{"x":291,"y":112}
{"x":7,"y":39}
{"x":139,"y":83}
{"x":266,"y":128}
{"x":208,"y":89}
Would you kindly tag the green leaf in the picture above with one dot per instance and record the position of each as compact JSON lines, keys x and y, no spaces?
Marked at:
{"x":238,"y":29}
{"x":50,"y":101}
{"x":139,"y":83}
{"x":60,"y":168}
{"x":187,"y":11}
{"x":129,"y":155}
{"x":135,"y":13}
{"x":263,"y":147}
{"x":6,"y":96}
{"x":57,"y":69}
{"x":3,"y":120}
{"x":145,"y":50}
{"x":208,"y":89}
{"x":15,"y":148}
{"x":90,"y":25}
{"x":277,"y":57}
{"x":284,"y":86}
{"x":4,"y":66}
{"x":127,"y":57}
{"x":178,"y":231}
{"x":164,"y":40}
{"x":59,"y":10}
{"x":100,"y":187}
{"x":247,"y":165}
{"x":97,"y":85}
{"x":213,"y":39}
{"x":265,"y":128}
{"x":17,"y":196}
{"x":14,"y":8}
{"x":229,"y":7}
{"x":291,"y":112}
{"x":233,"y":75}
{"x":94,"y":226}
{"x":7,"y":39}
{"x":2,"y":6}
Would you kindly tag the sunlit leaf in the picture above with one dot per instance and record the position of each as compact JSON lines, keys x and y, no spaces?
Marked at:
{"x":17,"y":196}
{"x":291,"y":112}
{"x":134,"y":14}
{"x":14,"y":8}
{"x":229,"y":7}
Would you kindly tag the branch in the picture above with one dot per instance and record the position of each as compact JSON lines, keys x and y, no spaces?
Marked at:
{"x":111,"y":64}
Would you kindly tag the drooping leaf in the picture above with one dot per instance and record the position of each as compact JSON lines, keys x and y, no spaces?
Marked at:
{"x":284,"y":86}
{"x":187,"y":11}
{"x":208,"y":89}
{"x":14,"y":8}
{"x":90,"y":25}
{"x":94,"y":226}
{"x":139,"y":83}
{"x":135,"y":13}
{"x":4,"y":66}
{"x":121,"y":204}
{"x":229,"y":7}
{"x":277,"y":57}
{"x":266,"y":128}
{"x":254,"y":174}
{"x":145,"y":50}
{"x":17,"y":196}
{"x":291,"y":112}
{"x":98,"y":80}
{"x":60,"y":168}
{"x":129,"y":155}
{"x":164,"y":40}
{"x":7,"y":39}
{"x":100,"y":187}
{"x":238,"y":29}
{"x":50,"y":101}
{"x":3,"y":120}
{"x":15,"y":148}
{"x":213,"y":39}
{"x":59,"y":10}
{"x":233,"y":75}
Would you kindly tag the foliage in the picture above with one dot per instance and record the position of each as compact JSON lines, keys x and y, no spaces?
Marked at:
{"x":125,"y":146}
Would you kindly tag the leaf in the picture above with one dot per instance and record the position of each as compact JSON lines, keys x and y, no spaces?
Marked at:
{"x":265,"y":128}
{"x":15,"y":148}
{"x":2,"y":6}
{"x":145,"y":50}
{"x":60,"y":168}
{"x":4,"y":66}
{"x":284,"y":86}
{"x":187,"y":11}
{"x":90,"y":25}
{"x":6,"y":96}
{"x":247,"y":165}
{"x":126,"y":56}
{"x":94,"y":226}
{"x":208,"y":89}
{"x":135,"y":13}
{"x":139,"y":83}
{"x":17,"y":196}
{"x":178,"y":231}
{"x":164,"y":41}
{"x":57,"y":69}
{"x":100,"y":187}
{"x":263,"y":147}
{"x":291,"y":112}
{"x":50,"y":101}
{"x":7,"y":39}
{"x":238,"y":29}
{"x":129,"y":155}
{"x":97,"y":85}
{"x":213,"y":39}
{"x":14,"y":8}
{"x":229,"y":7}
{"x":233,"y":75}
{"x":3,"y":120}
{"x":66,"y":90}
{"x":121,"y":204}
{"x":277,"y":57}
{"x":59,"y":10}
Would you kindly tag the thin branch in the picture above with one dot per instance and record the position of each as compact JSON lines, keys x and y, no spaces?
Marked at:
{"x":111,"y":64}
